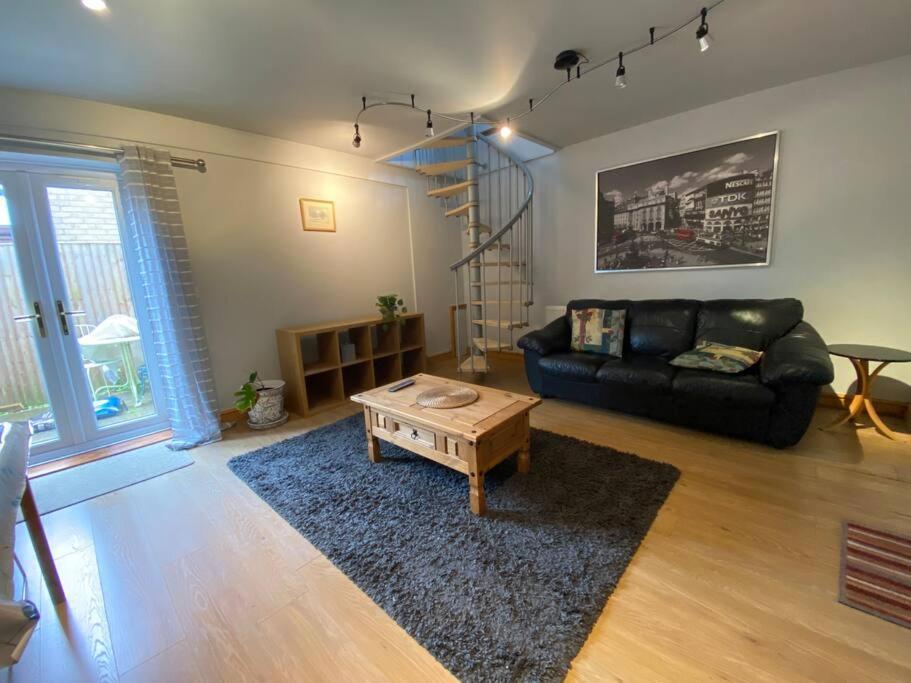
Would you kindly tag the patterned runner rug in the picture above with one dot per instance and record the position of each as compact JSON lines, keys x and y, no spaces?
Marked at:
{"x":876,"y":573}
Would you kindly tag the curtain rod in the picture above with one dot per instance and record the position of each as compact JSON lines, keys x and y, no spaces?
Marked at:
{"x":96,"y":150}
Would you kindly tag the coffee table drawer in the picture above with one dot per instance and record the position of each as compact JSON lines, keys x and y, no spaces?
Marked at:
{"x":419,"y":435}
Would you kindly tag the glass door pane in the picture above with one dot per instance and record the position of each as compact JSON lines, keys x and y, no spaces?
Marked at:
{"x":24,"y":392}
{"x":95,"y":305}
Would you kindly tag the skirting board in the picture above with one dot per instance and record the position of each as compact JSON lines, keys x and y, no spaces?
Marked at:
{"x":883,"y":406}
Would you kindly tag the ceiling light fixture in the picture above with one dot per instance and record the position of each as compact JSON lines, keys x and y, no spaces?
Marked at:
{"x":95,"y":5}
{"x":429,"y":132}
{"x":702,"y":33}
{"x":620,"y":81}
{"x":505,"y":130}
{"x":357,"y":137}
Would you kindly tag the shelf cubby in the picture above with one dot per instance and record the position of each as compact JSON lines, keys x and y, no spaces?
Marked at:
{"x":360,"y":337}
{"x":412,"y":333}
{"x":413,"y":361}
{"x":324,"y":389}
{"x":385,"y":338}
{"x":358,"y":377}
{"x":312,"y":367}
{"x":387,"y":369}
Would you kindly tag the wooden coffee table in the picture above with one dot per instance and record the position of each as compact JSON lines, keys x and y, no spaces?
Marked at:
{"x":471,"y":439}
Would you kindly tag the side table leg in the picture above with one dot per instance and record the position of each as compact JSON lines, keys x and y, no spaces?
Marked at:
{"x":860,"y":393}
{"x":373,"y":444}
{"x":871,"y":411}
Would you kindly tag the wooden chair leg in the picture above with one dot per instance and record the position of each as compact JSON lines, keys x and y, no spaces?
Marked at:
{"x":42,"y":548}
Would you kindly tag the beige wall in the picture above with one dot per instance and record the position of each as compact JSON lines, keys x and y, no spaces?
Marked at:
{"x":842,"y":230}
{"x":254,"y":267}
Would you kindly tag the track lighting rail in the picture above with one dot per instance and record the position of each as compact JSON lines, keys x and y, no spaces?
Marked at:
{"x":702,"y":35}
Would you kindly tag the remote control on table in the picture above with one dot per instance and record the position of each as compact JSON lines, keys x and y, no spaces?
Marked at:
{"x":401,"y":385}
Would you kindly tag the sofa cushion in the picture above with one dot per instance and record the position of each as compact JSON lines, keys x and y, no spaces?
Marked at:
{"x":598,"y":330}
{"x":579,"y":367}
{"x":662,"y":327}
{"x":752,"y":323}
{"x":741,"y":390}
{"x":718,"y":358}
{"x":649,"y":372}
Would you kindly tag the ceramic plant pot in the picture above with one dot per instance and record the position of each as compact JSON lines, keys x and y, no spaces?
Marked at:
{"x":269,"y":410}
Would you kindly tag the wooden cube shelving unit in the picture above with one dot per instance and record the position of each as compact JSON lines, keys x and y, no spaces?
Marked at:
{"x":384,"y":353}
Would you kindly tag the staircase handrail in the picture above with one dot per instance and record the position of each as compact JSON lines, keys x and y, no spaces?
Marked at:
{"x":495,"y":236}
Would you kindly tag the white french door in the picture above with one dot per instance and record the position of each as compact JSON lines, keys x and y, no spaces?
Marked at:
{"x":75,"y":359}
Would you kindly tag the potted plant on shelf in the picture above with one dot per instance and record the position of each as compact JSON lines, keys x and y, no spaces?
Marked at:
{"x":389,"y":309}
{"x":263,"y":401}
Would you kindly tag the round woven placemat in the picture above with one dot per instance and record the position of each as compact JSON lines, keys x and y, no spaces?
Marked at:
{"x":447,"y":397}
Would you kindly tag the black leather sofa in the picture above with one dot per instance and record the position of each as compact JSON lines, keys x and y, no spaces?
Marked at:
{"x":772,"y":402}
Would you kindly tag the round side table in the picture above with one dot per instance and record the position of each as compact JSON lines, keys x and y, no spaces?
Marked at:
{"x":860,"y":356}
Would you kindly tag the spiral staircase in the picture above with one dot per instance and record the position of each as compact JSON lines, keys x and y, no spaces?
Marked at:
{"x":489,"y":190}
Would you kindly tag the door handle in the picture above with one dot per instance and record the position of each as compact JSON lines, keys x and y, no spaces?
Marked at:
{"x":62,"y":313}
{"x":36,"y":316}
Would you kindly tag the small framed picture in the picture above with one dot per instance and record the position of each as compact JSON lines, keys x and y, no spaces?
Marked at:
{"x":317,"y":215}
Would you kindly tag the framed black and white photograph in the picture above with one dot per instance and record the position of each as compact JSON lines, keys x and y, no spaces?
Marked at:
{"x":707,"y":208}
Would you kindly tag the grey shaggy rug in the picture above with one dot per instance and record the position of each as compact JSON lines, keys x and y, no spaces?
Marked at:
{"x":507,"y":597}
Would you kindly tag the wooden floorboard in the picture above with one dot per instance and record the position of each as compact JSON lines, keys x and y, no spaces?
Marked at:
{"x":191,"y":577}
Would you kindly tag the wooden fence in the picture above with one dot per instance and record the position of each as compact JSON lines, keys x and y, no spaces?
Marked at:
{"x":97,"y":283}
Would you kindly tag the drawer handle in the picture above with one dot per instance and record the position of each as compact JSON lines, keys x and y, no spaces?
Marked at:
{"x":414,"y":433}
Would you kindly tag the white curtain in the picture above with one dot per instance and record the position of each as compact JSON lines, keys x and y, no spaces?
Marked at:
{"x":152,"y":210}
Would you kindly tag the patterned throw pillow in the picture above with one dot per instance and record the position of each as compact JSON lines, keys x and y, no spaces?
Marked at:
{"x":718,"y":357}
{"x":598,"y":330}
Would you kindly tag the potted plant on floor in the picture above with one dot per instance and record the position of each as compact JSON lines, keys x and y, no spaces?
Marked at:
{"x":263,"y":400}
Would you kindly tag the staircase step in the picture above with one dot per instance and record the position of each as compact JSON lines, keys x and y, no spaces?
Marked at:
{"x":438,"y":143}
{"x":491,"y":344}
{"x":482,"y":228}
{"x":504,"y":264}
{"x":504,"y":324}
{"x":444,"y":166}
{"x":480,"y":364}
{"x":498,"y":245}
{"x":460,"y":210}
{"x":451,"y":190}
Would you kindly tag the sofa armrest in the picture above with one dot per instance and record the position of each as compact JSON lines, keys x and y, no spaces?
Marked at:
{"x":800,"y":356}
{"x":549,"y":339}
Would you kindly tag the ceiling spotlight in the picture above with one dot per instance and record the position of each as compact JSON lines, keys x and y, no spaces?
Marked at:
{"x":505,"y":130}
{"x":95,"y":5}
{"x":702,"y":33}
{"x":356,"y":142}
{"x":429,"y":132}
{"x":620,"y":81}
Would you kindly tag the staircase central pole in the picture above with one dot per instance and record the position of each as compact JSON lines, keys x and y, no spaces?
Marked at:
{"x":475,"y":276}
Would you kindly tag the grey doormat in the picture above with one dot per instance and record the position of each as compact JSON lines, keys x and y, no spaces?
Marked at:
{"x":68,"y":487}
{"x":507,"y":597}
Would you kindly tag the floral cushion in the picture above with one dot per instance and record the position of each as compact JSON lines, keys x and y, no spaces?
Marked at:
{"x":598,"y":330}
{"x":718,"y":357}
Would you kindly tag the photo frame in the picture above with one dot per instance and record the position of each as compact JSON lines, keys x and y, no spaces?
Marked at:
{"x":317,"y":215}
{"x":711,"y":207}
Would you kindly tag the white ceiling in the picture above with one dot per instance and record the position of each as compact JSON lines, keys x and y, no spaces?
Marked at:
{"x":296,"y":69}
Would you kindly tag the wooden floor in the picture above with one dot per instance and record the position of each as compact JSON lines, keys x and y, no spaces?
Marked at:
{"x":190,"y":577}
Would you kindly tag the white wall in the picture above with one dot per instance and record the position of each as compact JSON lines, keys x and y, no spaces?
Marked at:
{"x":254,"y":267}
{"x":842,"y":232}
